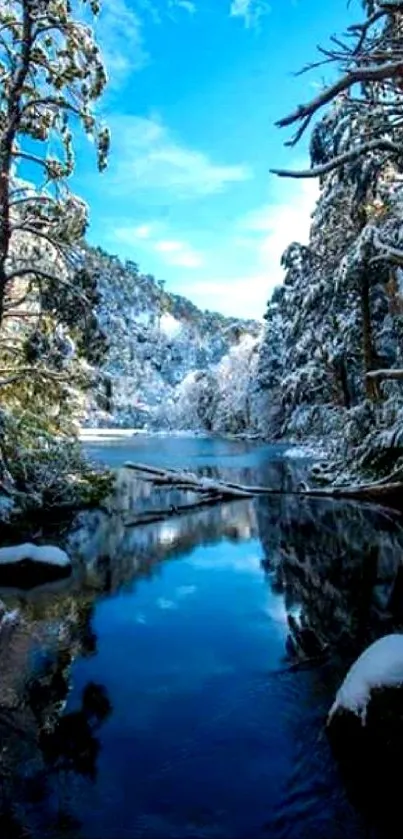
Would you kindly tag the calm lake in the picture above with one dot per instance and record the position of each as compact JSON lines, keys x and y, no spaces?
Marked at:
{"x":178,"y":684}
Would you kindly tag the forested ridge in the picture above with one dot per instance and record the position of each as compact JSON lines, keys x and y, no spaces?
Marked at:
{"x":167,"y":364}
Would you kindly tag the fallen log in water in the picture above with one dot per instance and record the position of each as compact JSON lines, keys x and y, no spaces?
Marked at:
{"x":190,"y":482}
{"x":217,"y":492}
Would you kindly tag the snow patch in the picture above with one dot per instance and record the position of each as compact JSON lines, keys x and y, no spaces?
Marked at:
{"x":299,"y":453}
{"x":91,"y":435}
{"x":47,"y":554}
{"x":380,"y":665}
{"x":170,"y":326}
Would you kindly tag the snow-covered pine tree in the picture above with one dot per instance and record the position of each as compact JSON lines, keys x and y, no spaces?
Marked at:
{"x":51,"y":75}
{"x":357,"y":152}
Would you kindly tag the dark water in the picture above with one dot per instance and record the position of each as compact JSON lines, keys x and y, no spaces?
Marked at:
{"x":178,"y":685}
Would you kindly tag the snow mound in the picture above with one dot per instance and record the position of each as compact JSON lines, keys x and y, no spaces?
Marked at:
{"x":46,"y":554}
{"x":379,"y":666}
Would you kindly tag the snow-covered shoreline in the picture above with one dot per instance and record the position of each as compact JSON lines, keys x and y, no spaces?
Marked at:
{"x":98,"y":435}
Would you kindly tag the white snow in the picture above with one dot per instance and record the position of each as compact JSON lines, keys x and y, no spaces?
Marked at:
{"x":156,"y":341}
{"x":170,"y":325}
{"x":380,"y":665}
{"x":300,"y":452}
{"x":94,"y":434}
{"x":48,"y":554}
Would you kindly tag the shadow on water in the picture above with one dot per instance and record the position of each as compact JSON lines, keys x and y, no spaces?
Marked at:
{"x":339,"y":568}
{"x":148,"y":697}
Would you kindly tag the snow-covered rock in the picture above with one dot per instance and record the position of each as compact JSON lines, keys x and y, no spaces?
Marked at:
{"x":47,"y":554}
{"x":27,"y":565}
{"x":379,"y":666}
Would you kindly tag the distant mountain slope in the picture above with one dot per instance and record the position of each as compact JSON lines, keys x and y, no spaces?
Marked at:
{"x":169,"y":365}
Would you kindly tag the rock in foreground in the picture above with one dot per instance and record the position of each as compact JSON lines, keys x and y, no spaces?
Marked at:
{"x":28,"y":565}
{"x":379,"y":666}
{"x":365,"y":730}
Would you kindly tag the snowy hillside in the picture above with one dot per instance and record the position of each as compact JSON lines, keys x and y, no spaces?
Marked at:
{"x":169,"y":365}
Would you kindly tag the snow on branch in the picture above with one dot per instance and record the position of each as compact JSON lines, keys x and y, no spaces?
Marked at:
{"x":377,"y":375}
{"x":317,"y":171}
{"x":374,"y":73}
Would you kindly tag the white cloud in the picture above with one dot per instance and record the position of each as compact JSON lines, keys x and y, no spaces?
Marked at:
{"x":265,"y":234}
{"x":119,"y":30}
{"x":274,"y":226}
{"x":243,"y":296}
{"x":142,"y":231}
{"x":168,"y":246}
{"x":186,"y":591}
{"x":179,"y":253}
{"x":187,"y":5}
{"x":249,"y":10}
{"x":130,"y":234}
{"x":243,"y":564}
{"x":171,"y":251}
{"x":146,"y":156}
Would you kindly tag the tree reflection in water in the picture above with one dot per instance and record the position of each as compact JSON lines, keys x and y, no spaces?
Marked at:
{"x":338,"y":566}
{"x":42,"y":746}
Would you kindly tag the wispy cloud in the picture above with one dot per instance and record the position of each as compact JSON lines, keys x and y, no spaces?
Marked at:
{"x":171,"y":251}
{"x":132,"y":234}
{"x":146,"y":156}
{"x":142,"y":231}
{"x":187,"y":5}
{"x":119,"y":31}
{"x":249,"y":10}
{"x":121,"y":36}
{"x":273,"y":226}
{"x":235,"y":270}
{"x":236,"y":296}
{"x":254,"y":253}
{"x":175,"y":252}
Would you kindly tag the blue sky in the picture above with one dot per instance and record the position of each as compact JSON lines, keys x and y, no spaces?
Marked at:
{"x":195,"y":89}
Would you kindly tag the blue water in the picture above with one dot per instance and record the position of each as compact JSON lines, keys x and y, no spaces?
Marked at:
{"x":214,"y":725}
{"x":185,"y":452}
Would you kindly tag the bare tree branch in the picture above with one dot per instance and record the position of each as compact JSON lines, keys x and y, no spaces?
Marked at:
{"x":347,"y":157}
{"x":388,"y":70}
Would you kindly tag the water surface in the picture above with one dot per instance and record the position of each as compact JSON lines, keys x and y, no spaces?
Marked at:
{"x":178,"y":685}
